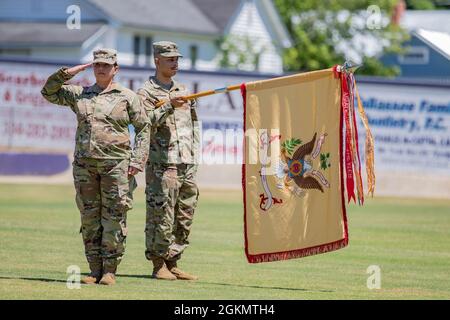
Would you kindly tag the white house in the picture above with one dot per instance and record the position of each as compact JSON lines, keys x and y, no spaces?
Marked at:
{"x":71,"y":29}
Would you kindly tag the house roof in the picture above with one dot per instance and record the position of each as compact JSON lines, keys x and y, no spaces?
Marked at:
{"x":209,"y":17}
{"x":219,"y":12}
{"x":201,"y":17}
{"x":440,"y":41}
{"x":15,"y":34}
{"x":430,"y":26}
{"x":167,"y":15}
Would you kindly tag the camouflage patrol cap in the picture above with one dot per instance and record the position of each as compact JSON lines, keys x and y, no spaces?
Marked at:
{"x":108,"y":56}
{"x":166,"y":49}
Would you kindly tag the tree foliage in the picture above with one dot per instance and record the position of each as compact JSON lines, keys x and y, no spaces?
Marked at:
{"x":324,"y":33}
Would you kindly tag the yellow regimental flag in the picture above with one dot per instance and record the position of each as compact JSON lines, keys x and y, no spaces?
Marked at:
{"x":293,"y":186}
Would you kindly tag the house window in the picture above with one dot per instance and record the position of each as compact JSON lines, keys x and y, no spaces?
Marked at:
{"x":136,"y":48}
{"x":194,"y":55}
{"x":148,"y":49}
{"x":415,"y":55}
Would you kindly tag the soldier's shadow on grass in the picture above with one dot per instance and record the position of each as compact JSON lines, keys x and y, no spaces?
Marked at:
{"x":263,"y":287}
{"x":230,"y":284}
{"x":149,"y":277}
{"x":33,"y":279}
{"x":38,"y":279}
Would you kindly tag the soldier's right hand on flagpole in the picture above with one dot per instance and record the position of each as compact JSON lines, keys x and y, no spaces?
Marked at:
{"x":76,"y":69}
{"x":178,"y":100}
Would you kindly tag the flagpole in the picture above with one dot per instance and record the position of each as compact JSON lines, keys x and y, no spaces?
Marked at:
{"x":206,"y":93}
{"x":348,"y":67}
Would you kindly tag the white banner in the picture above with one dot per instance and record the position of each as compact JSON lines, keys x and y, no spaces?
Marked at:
{"x":411,"y":127}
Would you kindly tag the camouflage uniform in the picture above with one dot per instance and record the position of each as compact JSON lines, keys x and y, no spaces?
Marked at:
{"x":101,"y":159}
{"x":171,"y":191}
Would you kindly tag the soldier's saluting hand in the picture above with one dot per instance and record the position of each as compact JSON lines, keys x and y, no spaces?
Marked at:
{"x":76,"y":69}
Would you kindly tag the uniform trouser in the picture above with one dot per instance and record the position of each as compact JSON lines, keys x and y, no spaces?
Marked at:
{"x":171,"y":195}
{"x":103,"y":196}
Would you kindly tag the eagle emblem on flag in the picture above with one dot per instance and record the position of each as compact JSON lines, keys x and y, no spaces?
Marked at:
{"x":298,"y":168}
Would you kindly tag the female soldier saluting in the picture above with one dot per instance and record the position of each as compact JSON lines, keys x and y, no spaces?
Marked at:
{"x":104,"y":163}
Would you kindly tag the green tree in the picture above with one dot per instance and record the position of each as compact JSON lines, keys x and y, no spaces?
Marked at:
{"x":323,"y":32}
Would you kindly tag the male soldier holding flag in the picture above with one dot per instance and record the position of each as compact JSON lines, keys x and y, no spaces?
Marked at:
{"x":171,"y":191}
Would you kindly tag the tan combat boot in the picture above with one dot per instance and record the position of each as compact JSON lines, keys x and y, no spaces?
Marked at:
{"x":160,"y":270}
{"x":109,"y":273}
{"x":108,"y":279}
{"x":95,"y":275}
{"x":180,"y":274}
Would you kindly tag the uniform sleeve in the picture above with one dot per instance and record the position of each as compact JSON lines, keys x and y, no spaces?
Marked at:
{"x":156,"y":115}
{"x":56,"y":92}
{"x":141,"y":123}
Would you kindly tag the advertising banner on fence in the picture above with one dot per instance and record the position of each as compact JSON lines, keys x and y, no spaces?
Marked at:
{"x":411,"y":128}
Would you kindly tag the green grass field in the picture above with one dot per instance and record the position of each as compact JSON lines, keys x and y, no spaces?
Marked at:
{"x":408,"y":239}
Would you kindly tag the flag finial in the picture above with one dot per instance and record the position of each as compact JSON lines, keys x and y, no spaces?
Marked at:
{"x":350,"y":66}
